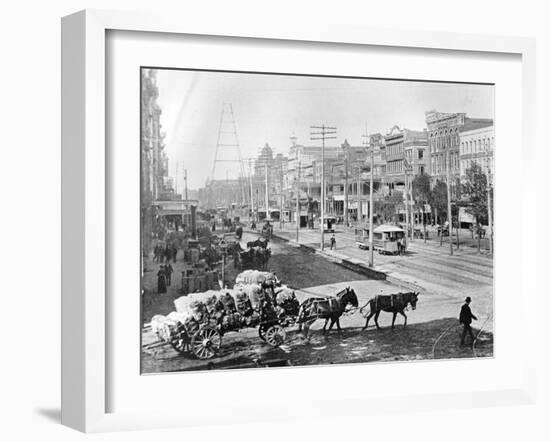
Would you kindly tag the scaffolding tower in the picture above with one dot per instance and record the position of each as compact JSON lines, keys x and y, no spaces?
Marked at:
{"x":228,"y":149}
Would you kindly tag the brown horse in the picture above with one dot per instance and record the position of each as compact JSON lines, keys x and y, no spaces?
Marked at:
{"x":396,"y":303}
{"x":329,"y":308}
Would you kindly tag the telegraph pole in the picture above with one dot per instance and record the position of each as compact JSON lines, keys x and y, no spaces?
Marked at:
{"x":325,"y":134}
{"x":359,"y":208}
{"x":251,"y":208}
{"x":449,"y":216}
{"x":489,"y":205}
{"x":281,"y":199}
{"x":298,"y":202}
{"x":177,"y":172}
{"x":186,"y":195}
{"x":266,"y":194}
{"x":371,"y":199}
{"x":346,"y":202}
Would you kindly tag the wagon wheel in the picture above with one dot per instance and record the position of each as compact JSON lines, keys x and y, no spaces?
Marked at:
{"x":180,"y":340}
{"x":261,"y":332}
{"x":180,"y":344}
{"x":275,"y":335}
{"x":206,"y":342}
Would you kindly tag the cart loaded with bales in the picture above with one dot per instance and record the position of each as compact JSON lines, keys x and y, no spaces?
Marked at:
{"x":200,"y":320}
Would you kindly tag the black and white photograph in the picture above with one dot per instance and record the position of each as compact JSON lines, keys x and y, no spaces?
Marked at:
{"x":294,"y":220}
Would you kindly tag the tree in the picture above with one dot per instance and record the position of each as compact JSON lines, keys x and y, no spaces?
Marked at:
{"x":439,"y":202}
{"x":474,"y":191}
{"x":389,"y":205}
{"x":421,"y":195}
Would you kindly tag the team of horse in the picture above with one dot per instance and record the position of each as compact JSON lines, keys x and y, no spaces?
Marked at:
{"x":331,"y":308}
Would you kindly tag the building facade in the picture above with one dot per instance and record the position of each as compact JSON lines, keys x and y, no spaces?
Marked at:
{"x":477,"y":146}
{"x":154,"y":164}
{"x":406,"y":151}
{"x":444,"y":132}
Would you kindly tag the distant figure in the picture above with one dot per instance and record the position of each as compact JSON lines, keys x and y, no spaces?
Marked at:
{"x":465,"y":318}
{"x":400,"y":246}
{"x":161,"y":280}
{"x":332,"y":242}
{"x":168,"y":270}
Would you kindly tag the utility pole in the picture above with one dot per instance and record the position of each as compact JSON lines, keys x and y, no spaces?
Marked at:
{"x":449,"y":213}
{"x":371,"y":209}
{"x":325,"y":134}
{"x":298,"y":202}
{"x":346,"y":201}
{"x":489,"y":202}
{"x":359,"y":208}
{"x":406,"y":196}
{"x":371,"y":199}
{"x":281,"y":198}
{"x":266,"y":194}
{"x":186,"y":195}
{"x":251,"y":208}
{"x":177,"y":173}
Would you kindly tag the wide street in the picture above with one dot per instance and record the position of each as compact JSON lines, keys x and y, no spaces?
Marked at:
{"x":426,"y":265}
{"x":433,"y":330}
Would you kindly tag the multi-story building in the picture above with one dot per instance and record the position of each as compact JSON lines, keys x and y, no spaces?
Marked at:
{"x":270,"y":170}
{"x":406,"y":151}
{"x":444,"y":132}
{"x":154,"y":163}
{"x":477,"y":146}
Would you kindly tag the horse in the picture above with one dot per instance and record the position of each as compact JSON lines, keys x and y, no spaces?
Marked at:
{"x":327,"y":308}
{"x":395,"y":303}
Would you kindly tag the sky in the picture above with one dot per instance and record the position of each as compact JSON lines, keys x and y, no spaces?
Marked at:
{"x":272,"y":108}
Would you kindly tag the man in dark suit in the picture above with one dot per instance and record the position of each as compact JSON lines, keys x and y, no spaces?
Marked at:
{"x":465,"y":318}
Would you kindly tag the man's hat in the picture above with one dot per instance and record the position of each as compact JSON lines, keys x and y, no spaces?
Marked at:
{"x":468,"y":299}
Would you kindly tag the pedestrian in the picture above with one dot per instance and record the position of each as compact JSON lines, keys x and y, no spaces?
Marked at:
{"x":465,"y":318}
{"x":161,"y":280}
{"x":332,"y":242}
{"x":174,"y":253}
{"x":168,"y":269}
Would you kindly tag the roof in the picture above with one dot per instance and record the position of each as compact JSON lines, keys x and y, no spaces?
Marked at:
{"x":476,"y":123}
{"x":387,"y":228}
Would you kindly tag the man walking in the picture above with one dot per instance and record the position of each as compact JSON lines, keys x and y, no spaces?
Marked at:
{"x":466,"y":317}
{"x":332,"y":242}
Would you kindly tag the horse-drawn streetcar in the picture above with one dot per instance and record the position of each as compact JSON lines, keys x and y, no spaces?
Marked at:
{"x":385,"y":238}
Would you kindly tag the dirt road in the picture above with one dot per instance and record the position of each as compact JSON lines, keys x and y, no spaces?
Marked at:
{"x":433,"y":322}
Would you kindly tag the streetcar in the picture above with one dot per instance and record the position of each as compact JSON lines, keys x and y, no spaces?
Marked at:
{"x":385,"y":238}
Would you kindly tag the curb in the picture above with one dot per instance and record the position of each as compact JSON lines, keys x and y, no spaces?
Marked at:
{"x":359,"y":267}
{"x":344,"y":262}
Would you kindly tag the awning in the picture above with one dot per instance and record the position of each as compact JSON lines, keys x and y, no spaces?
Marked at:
{"x":387,"y":228}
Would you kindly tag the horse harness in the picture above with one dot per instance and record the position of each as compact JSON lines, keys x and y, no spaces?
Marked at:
{"x":396,"y":301}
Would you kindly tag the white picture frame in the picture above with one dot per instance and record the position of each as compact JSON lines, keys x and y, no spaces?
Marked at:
{"x":84,"y":203}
